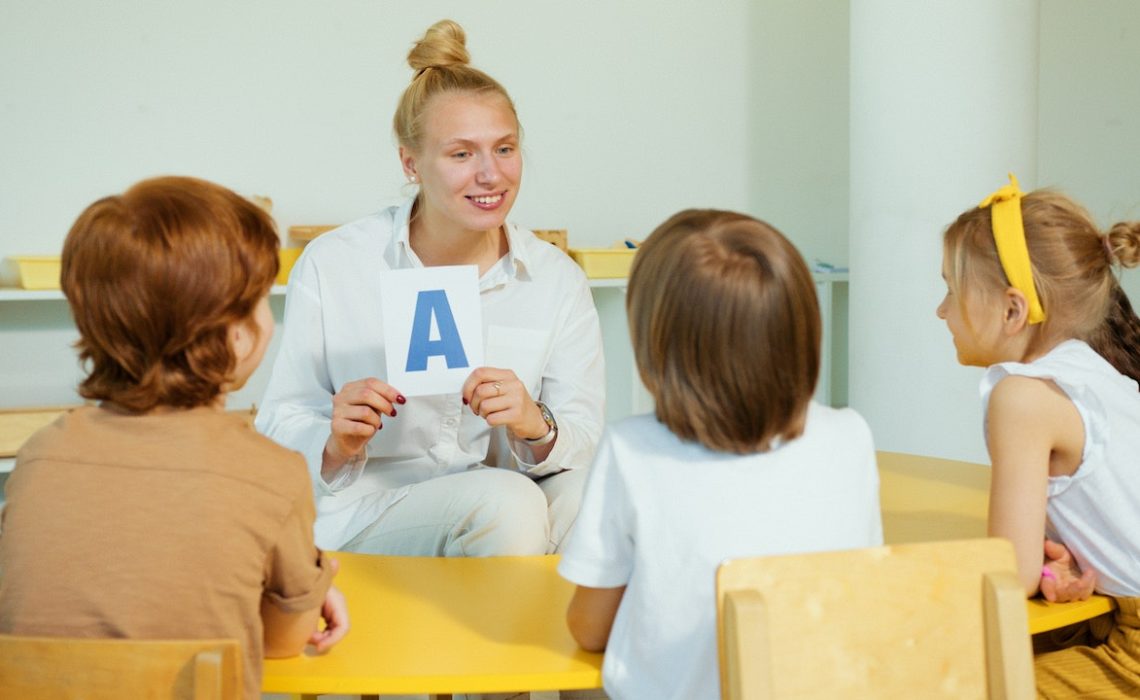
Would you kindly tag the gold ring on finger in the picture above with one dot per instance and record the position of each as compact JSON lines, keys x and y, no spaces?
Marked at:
{"x":499,"y":388}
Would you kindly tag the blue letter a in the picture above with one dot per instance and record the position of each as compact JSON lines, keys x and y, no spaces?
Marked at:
{"x":422,"y":346}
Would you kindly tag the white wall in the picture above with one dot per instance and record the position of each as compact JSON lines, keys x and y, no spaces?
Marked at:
{"x":1088,"y":138}
{"x":1089,"y":126}
{"x":631,"y":110}
{"x":798,"y":143}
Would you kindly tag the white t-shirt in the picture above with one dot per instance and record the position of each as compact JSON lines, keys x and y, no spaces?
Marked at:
{"x":659,"y":515}
{"x":1096,"y":511}
{"x":539,"y":320}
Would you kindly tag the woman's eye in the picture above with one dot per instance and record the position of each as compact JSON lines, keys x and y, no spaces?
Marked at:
{"x":506,"y":150}
{"x":461,"y":155}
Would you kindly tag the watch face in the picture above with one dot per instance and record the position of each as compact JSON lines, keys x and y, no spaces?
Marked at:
{"x":547,"y":416}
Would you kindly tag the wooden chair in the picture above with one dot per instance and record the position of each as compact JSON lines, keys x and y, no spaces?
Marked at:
{"x":43,"y":668}
{"x":931,"y":620}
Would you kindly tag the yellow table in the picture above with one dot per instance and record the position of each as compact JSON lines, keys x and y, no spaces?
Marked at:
{"x":422,"y":625}
{"x":1045,"y":616}
{"x":926,"y":498}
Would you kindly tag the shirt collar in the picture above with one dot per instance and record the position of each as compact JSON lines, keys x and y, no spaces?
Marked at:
{"x":517,"y":262}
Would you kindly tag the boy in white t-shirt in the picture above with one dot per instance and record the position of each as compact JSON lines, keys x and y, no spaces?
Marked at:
{"x":738,"y":461}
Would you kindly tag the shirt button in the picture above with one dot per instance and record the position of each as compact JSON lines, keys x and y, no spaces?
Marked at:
{"x":450,"y":422}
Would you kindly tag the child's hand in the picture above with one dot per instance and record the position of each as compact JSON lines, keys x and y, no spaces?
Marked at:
{"x":334,"y":611}
{"x":1061,"y":577}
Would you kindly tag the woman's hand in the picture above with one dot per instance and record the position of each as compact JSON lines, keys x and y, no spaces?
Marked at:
{"x":357,"y":411}
{"x":1064,"y":580}
{"x":501,"y":399}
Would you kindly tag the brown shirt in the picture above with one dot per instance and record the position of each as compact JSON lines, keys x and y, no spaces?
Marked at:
{"x":169,"y":525}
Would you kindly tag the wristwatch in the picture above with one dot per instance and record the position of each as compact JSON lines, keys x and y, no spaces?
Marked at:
{"x":552,"y":427}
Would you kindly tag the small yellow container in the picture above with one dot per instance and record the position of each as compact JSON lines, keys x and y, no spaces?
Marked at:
{"x":604,"y":262}
{"x":38,"y":271}
{"x":287,"y":257}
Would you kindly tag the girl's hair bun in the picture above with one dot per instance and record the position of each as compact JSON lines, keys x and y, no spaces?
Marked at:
{"x":444,"y":44}
{"x":1124,"y":240}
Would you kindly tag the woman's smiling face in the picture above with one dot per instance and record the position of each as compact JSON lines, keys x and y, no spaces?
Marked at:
{"x":469,"y":166}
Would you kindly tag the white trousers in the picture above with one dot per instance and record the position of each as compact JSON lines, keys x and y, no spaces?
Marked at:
{"x":481,"y":512}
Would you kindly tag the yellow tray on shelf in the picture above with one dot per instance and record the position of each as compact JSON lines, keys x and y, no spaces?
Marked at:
{"x":604,"y":262}
{"x":37,"y":271}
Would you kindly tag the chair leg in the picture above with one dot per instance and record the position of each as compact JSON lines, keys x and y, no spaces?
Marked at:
{"x":746,"y":627}
{"x":208,"y":675}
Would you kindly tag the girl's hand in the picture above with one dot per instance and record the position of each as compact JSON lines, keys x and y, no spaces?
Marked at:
{"x":501,"y":399}
{"x":357,"y":411}
{"x":1061,"y":577}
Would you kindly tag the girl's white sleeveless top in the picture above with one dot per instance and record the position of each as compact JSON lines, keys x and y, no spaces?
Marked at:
{"x":1096,"y":511}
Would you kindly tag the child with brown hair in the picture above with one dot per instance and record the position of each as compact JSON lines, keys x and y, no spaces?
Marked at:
{"x":156,"y":514}
{"x":738,"y":460}
{"x":1032,"y":296}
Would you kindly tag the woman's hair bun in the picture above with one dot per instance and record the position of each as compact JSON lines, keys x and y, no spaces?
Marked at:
{"x":444,"y":44}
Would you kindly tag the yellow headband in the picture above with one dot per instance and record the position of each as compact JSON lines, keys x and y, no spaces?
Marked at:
{"x":1009,"y":237}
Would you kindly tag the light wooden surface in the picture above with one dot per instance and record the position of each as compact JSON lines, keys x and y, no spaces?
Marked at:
{"x":929,"y":499}
{"x":17,"y":425}
{"x":944,"y":619}
{"x":34,"y":668}
{"x":925,"y":499}
{"x":424,"y":625}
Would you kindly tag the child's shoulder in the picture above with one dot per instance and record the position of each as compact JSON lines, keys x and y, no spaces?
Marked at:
{"x":643,"y":430}
{"x":828,"y":422}
{"x":200,"y":439}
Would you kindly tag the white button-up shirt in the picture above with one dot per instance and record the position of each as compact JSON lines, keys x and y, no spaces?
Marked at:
{"x":539,"y":320}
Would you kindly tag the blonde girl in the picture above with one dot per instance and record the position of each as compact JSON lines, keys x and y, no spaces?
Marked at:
{"x":1033,"y":296}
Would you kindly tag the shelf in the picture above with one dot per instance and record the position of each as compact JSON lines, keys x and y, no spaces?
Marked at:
{"x":17,"y":294}
{"x":601,"y":283}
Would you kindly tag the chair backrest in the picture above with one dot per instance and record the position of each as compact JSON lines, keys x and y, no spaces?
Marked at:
{"x":46,"y":668}
{"x":930,"y":620}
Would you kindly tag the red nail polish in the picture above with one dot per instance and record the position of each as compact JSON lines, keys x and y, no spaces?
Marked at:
{"x":393,"y":413}
{"x":464,"y":401}
{"x":400,"y":399}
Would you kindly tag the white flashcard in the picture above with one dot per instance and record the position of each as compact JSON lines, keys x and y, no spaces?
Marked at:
{"x":433,"y":328}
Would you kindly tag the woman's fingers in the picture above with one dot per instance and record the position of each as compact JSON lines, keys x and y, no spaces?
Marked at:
{"x":500,"y":398}
{"x":358,"y":410}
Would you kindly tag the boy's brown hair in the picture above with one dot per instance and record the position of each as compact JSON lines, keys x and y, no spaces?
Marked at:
{"x":726,"y":330}
{"x":155,"y":277}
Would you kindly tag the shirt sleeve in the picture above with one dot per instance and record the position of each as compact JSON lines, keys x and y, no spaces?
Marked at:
{"x":600,"y":548}
{"x":297,"y":407}
{"x":573,"y":388}
{"x":297,"y":574}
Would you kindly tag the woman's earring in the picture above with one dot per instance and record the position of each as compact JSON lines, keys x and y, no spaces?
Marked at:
{"x":412,"y":179}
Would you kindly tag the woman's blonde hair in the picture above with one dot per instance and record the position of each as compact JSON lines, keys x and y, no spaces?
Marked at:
{"x":1072,"y":264}
{"x":442,"y":65}
{"x":726,"y":330}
